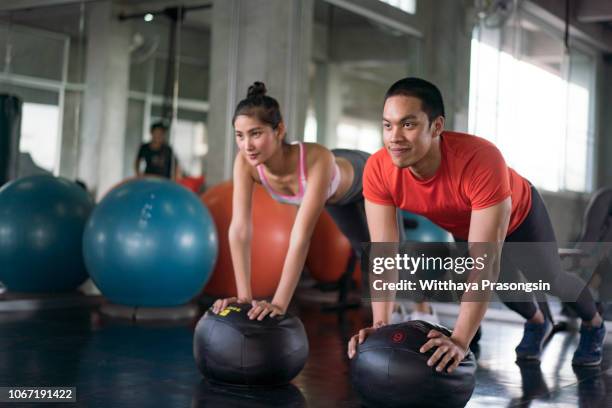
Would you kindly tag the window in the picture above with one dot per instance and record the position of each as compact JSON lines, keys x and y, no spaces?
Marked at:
{"x":149,"y":66}
{"x":310,"y":127}
{"x":409,"y":6}
{"x":359,"y":134}
{"x":41,"y":118}
{"x":354,"y":60}
{"x":535,"y":102}
{"x":191,"y":145}
{"x":40,"y":134}
{"x":42,"y":62}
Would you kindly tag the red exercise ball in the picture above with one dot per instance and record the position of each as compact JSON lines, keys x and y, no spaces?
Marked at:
{"x":272,"y":224}
{"x":329,"y":252}
{"x":194,"y":184}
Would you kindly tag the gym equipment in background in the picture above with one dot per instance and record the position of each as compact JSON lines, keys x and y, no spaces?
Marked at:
{"x":419,"y":229}
{"x":42,"y":219}
{"x":151,"y":243}
{"x":10,"y":133}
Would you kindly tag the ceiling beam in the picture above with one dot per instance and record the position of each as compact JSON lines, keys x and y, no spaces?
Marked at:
{"x":8,"y":5}
{"x":594,"y":11}
{"x":553,"y":12}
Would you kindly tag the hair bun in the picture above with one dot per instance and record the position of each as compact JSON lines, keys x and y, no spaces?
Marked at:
{"x":257,"y":89}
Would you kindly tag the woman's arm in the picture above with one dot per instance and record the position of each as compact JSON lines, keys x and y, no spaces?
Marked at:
{"x":319,"y":174}
{"x":240,"y":230}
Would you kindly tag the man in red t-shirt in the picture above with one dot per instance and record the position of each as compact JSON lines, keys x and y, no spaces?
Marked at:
{"x":462,"y":183}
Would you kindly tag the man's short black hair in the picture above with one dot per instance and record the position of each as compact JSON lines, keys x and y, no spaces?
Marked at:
{"x":158,"y":125}
{"x":428,"y":93}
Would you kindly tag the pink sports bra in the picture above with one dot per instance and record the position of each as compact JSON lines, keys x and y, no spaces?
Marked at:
{"x":297,"y":199}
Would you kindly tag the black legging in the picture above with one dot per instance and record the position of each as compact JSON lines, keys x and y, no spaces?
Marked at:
{"x":541,"y":262}
{"x":349,"y":212}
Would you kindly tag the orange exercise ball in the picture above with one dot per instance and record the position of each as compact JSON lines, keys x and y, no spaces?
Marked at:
{"x":329,"y":252}
{"x":272,"y":224}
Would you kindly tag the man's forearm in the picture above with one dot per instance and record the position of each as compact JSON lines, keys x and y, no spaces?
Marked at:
{"x":474,"y":305}
{"x":470,"y":316}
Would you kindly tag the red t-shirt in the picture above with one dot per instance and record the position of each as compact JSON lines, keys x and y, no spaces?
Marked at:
{"x":472,"y":175}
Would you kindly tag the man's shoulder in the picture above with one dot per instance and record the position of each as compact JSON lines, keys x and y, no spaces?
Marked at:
{"x":461,"y":138}
{"x":466,"y":145}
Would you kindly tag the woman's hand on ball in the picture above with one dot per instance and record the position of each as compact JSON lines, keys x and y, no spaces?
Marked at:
{"x":221,"y":304}
{"x":447,"y":350}
{"x":261,"y":309}
{"x":360,"y":337}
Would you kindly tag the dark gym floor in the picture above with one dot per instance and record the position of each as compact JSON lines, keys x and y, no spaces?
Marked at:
{"x":118,"y":364}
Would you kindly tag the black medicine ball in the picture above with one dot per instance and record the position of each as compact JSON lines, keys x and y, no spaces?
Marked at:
{"x":230,"y":348}
{"x":389,"y":371}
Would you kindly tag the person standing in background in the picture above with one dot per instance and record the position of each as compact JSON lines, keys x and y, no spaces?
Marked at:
{"x":158,"y":155}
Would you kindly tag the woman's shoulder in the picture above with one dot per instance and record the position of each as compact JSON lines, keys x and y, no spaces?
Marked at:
{"x":316,"y":153}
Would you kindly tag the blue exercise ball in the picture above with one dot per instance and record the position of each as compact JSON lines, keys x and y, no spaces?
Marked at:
{"x":420,"y":229}
{"x":41,"y":230}
{"x":150,"y":242}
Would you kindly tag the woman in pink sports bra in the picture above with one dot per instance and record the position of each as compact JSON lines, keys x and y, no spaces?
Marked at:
{"x":304,"y":174}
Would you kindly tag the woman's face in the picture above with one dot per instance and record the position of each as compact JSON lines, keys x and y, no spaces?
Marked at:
{"x":256,"y":140}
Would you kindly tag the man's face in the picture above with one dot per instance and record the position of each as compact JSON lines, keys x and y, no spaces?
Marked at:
{"x":158,"y":136}
{"x":407,"y":134}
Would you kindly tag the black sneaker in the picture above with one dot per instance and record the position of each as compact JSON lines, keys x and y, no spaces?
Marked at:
{"x":590,"y":348}
{"x":534,"y":337}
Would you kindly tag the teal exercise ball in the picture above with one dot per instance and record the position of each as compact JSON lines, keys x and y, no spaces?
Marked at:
{"x":419,"y":229}
{"x":41,"y":229}
{"x":150,"y":242}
